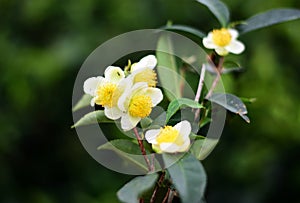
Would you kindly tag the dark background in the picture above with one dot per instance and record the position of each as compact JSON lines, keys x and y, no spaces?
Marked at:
{"x":42,"y":46}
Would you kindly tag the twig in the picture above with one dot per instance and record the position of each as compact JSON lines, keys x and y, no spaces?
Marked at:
{"x":200,"y":84}
{"x":217,"y":79}
{"x":142,"y":148}
{"x":161,"y":179}
{"x":213,"y":86}
{"x":199,"y":90}
{"x":167,"y":196}
{"x":171,"y":196}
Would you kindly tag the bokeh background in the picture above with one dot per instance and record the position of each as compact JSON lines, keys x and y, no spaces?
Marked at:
{"x":42,"y":46}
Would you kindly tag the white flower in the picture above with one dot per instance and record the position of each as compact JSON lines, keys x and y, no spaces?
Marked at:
{"x":149,"y":61}
{"x":170,"y":139}
{"x":136,"y":103}
{"x":106,"y":90}
{"x":143,"y":71}
{"x":224,"y":41}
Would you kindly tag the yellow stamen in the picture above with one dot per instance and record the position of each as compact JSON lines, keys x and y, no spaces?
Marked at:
{"x":105,"y":94}
{"x":140,"y":106}
{"x":169,"y":134}
{"x":147,"y":75}
{"x":221,"y":37}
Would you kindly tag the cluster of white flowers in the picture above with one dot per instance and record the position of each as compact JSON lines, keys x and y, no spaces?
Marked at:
{"x":130,"y":98}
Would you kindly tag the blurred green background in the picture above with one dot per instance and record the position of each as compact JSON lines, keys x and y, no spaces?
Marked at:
{"x":43,"y":44}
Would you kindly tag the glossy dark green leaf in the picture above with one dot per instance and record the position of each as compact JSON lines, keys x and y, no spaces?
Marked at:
{"x":128,"y":151}
{"x":231,"y":103}
{"x":133,"y":190}
{"x":84,"y":101}
{"x":167,"y":67}
{"x":268,"y":18}
{"x":188,"y":177}
{"x":176,"y":104}
{"x":185,"y":29}
{"x":201,"y":148}
{"x":219,"y":9}
{"x":92,"y":118}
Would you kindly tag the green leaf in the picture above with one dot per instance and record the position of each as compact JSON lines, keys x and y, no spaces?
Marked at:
{"x":248,"y":100}
{"x":92,"y":118}
{"x":201,"y":148}
{"x":133,"y":190}
{"x":188,"y":177}
{"x":268,"y":18}
{"x":128,"y":151}
{"x":167,"y":67}
{"x":83,"y":102}
{"x":185,"y":29}
{"x":219,"y":9}
{"x":231,"y":103}
{"x":176,"y":104}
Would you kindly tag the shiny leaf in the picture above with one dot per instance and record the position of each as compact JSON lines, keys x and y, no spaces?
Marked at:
{"x":219,"y":9}
{"x":133,"y":190}
{"x":269,"y":18}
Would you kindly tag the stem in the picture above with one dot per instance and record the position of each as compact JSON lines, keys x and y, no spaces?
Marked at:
{"x":167,"y":196}
{"x":171,"y":196}
{"x":200,"y":84}
{"x":213,"y":86}
{"x":140,"y":141}
{"x":161,"y":179}
{"x":199,"y":90}
{"x":219,"y":68}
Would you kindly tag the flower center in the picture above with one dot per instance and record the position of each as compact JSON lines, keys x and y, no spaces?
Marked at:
{"x":148,"y":75}
{"x":140,"y":106}
{"x":105,"y":94}
{"x":221,"y":37}
{"x":170,"y":135}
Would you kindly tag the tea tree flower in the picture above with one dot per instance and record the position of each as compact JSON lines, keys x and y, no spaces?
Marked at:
{"x":106,"y":90}
{"x":143,"y":71}
{"x":136,"y":103}
{"x":224,"y":41}
{"x":170,"y":139}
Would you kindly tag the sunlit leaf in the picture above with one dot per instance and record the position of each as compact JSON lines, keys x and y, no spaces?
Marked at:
{"x":84,"y":101}
{"x":188,"y":177}
{"x":133,"y":190}
{"x":201,"y":148}
{"x":268,"y":18}
{"x":219,"y":9}
{"x":92,"y":118}
{"x":176,"y":104}
{"x":231,"y":103}
{"x":185,"y":29}
{"x":167,"y":67}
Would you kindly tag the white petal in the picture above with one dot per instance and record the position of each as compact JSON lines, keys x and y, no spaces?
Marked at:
{"x":93,"y":101}
{"x":234,"y":33}
{"x":149,"y":61}
{"x":221,"y":51}
{"x":185,"y":146}
{"x":128,"y":122}
{"x":113,"y":113}
{"x":151,"y":136}
{"x":235,"y":47}
{"x":114,"y":74}
{"x":208,"y":43}
{"x":155,"y":94}
{"x":91,"y":84}
{"x":125,"y":86}
{"x":184,"y":128}
{"x":169,"y":147}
